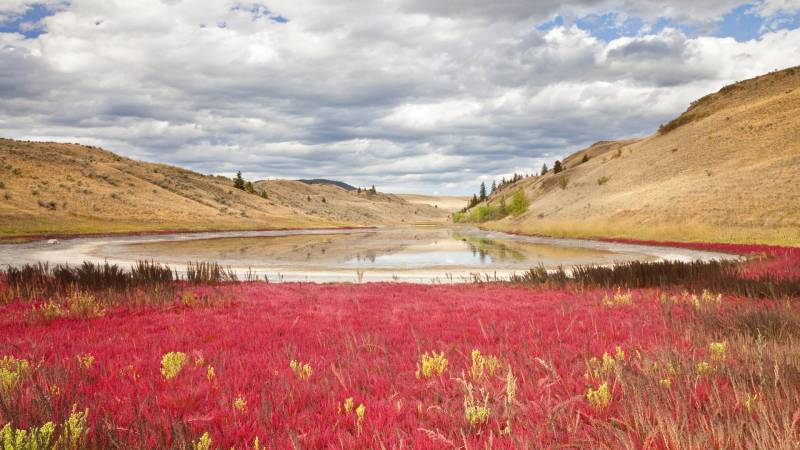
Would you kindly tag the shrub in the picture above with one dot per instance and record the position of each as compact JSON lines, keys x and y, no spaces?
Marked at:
{"x":563,"y":181}
{"x":557,"y":168}
{"x":301,"y":370}
{"x":430,"y":365}
{"x":172,"y":363}
{"x":602,"y":180}
{"x":585,"y":158}
{"x":519,"y":204}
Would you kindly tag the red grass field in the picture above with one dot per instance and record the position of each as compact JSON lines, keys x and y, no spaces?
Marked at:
{"x":680,"y":372}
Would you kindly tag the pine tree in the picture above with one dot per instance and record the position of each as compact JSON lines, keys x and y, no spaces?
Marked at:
{"x":373,"y":190}
{"x":494,"y":186}
{"x":238,"y":182}
{"x":249,"y":187}
{"x":544,"y":169}
{"x":585,"y":158}
{"x":557,"y":167}
{"x":474,"y":201}
{"x":483,"y":191}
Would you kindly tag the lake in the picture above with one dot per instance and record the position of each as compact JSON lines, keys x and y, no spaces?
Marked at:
{"x":421,"y":254}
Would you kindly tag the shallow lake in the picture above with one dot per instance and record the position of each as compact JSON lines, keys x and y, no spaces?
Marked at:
{"x":400,"y":254}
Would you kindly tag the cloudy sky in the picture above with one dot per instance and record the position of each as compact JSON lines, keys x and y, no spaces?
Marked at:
{"x":409,"y":95}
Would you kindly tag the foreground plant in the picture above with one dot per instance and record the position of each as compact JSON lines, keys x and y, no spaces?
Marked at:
{"x":430,"y":365}
{"x":599,"y":398}
{"x":172,"y":363}
{"x":301,"y":370}
{"x":12,"y":371}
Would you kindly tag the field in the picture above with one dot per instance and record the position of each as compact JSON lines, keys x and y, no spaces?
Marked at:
{"x":606,"y":361}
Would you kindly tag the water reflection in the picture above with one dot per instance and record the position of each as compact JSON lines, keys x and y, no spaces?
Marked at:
{"x":391,"y":248}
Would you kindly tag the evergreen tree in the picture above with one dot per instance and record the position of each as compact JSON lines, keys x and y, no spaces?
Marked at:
{"x":544,"y":169}
{"x":373,"y":190}
{"x":249,"y":187}
{"x":585,"y":158}
{"x":483,"y":191}
{"x":238,"y":182}
{"x":494,"y":186}
{"x":474,"y":201}
{"x":557,"y":167}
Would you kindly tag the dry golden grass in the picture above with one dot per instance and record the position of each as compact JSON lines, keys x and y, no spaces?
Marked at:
{"x":443,"y":202}
{"x":50,"y":188}
{"x":727,"y":171}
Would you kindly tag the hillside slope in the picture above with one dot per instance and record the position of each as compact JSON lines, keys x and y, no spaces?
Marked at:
{"x":728,"y":169}
{"x":70,"y":188}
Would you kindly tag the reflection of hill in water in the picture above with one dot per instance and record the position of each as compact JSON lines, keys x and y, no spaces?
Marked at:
{"x":408,"y":246}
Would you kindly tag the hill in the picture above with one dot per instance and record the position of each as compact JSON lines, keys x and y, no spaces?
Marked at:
{"x":725,"y":170}
{"x":52,"y":188}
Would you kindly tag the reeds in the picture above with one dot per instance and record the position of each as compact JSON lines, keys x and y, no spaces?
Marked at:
{"x":146,"y":282}
{"x":717,"y":276}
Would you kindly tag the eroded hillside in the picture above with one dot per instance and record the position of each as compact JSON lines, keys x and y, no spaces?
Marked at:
{"x":728,"y":169}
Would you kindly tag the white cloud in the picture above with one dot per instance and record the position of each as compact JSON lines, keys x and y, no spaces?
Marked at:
{"x":408,"y":95}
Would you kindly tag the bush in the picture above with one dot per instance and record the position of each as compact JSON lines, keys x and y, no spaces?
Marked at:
{"x":519,"y":204}
{"x":563,"y":181}
{"x":602,"y":180}
{"x":557,"y":168}
{"x":486,"y":213}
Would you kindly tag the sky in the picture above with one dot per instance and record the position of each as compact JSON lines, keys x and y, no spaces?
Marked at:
{"x":412,"y":96}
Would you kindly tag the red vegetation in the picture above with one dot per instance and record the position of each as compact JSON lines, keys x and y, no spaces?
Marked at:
{"x":361,"y":341}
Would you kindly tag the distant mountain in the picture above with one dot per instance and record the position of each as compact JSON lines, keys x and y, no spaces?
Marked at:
{"x":725,"y":170}
{"x":340,"y":184}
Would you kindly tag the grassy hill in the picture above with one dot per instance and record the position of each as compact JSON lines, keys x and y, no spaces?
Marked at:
{"x":728,"y":169}
{"x":51,"y":188}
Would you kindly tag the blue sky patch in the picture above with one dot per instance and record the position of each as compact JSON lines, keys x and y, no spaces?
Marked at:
{"x":742,"y":23}
{"x":29,"y":23}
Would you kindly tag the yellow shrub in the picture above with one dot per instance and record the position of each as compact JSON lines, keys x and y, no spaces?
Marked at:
{"x":301,"y":370}
{"x":86,"y":361}
{"x":204,"y":443}
{"x":210,"y":373}
{"x":430,"y":365}
{"x":360,"y":413}
{"x":172,"y":363}
{"x":483,"y":365}
{"x":72,"y":436}
{"x":239,"y":403}
{"x":599,"y":398}
{"x":619,"y":299}
{"x":476,"y":413}
{"x":718,"y":350}
{"x":12,"y":371}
